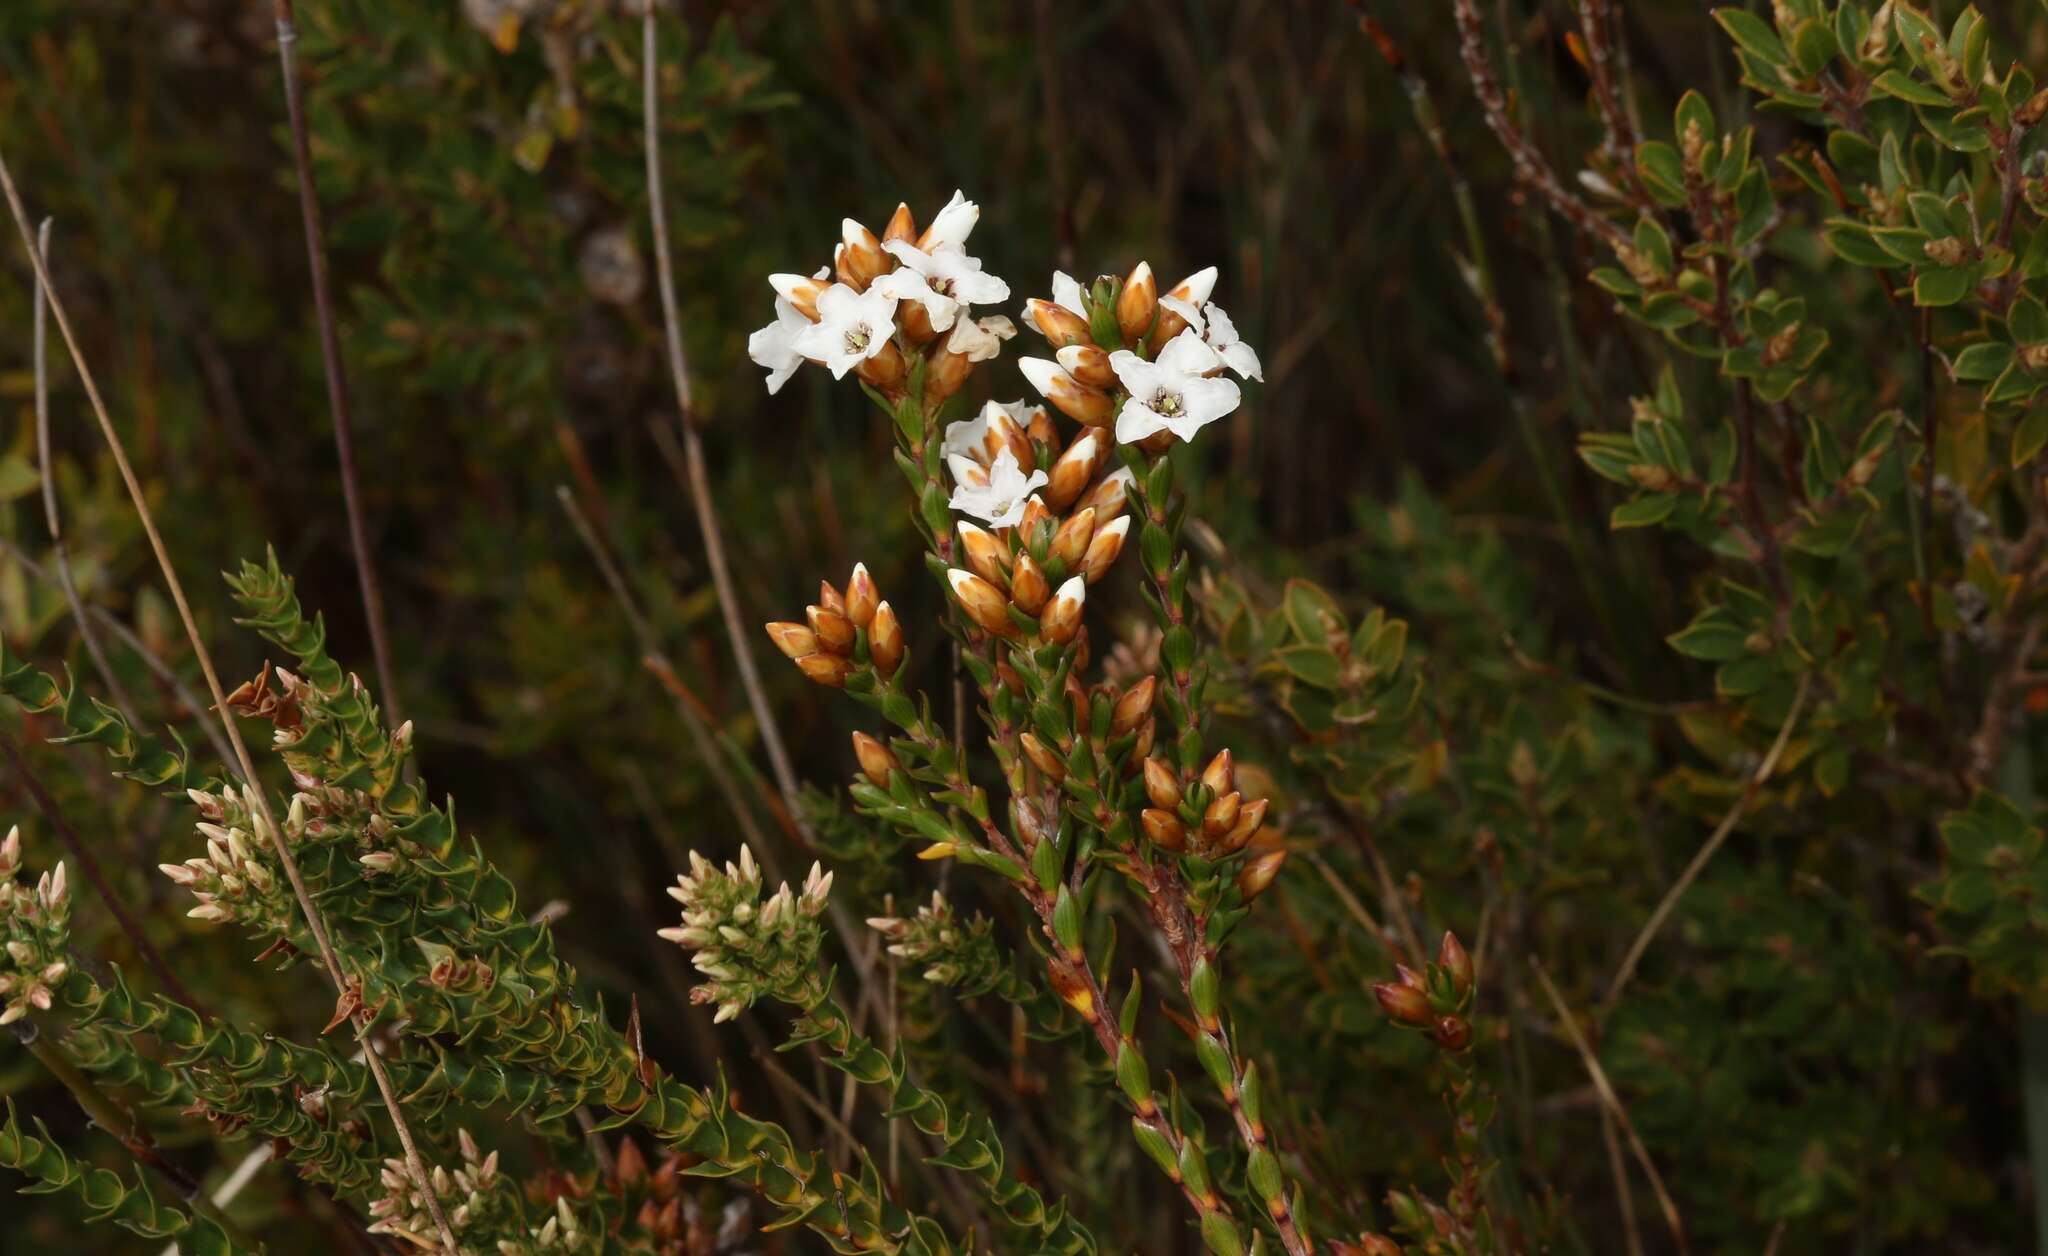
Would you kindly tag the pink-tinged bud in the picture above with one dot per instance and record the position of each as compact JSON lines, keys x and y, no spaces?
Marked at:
{"x":1069,"y":395}
{"x":1456,"y":961}
{"x":860,"y":260}
{"x":828,"y":597}
{"x":1088,"y":364}
{"x":801,"y":291}
{"x":1404,"y":1005}
{"x":1164,"y":829}
{"x":885,"y":641}
{"x":1029,"y":588}
{"x":1004,"y":433}
{"x":832,"y":628}
{"x":1162,"y":785}
{"x":794,"y":640}
{"x":1076,"y":468}
{"x":1109,"y":496}
{"x":1409,"y":977}
{"x":1062,"y":618}
{"x":1040,"y":428}
{"x":826,"y":669}
{"x":1134,"y":705}
{"x":986,"y":556}
{"x":861,"y":596}
{"x":983,"y":602}
{"x":1070,"y":544}
{"x":1138,"y":302}
{"x":1250,"y":817}
{"x":1221,"y":815}
{"x":1258,"y":873}
{"x":1221,"y":773}
{"x":876,"y":759}
{"x":885,"y":372}
{"x":1103,"y":548}
{"x":1452,"y":1033}
{"x":1042,"y":757}
{"x":902,"y":225}
{"x":1059,"y":325}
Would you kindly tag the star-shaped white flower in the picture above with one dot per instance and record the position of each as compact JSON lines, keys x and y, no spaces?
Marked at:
{"x":1219,"y":333}
{"x":1172,"y":393}
{"x":994,"y":494}
{"x":774,"y":346}
{"x":851,"y":328}
{"x":944,"y":282}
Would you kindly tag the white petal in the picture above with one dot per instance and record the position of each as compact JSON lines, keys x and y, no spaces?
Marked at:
{"x":1188,"y":310}
{"x":1066,"y":292}
{"x":951,"y":227}
{"x":1187,"y":354}
{"x":1043,"y":373}
{"x":1198,"y":286}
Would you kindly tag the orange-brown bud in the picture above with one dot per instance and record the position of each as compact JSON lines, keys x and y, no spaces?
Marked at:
{"x":986,"y":557}
{"x":916,"y":323}
{"x":1147,"y":733}
{"x":794,"y":640}
{"x":1029,"y":588}
{"x":1070,"y":543}
{"x":1076,"y":468}
{"x":1221,"y":816}
{"x":885,"y":371}
{"x":1077,"y":700}
{"x":1042,"y":756}
{"x":629,"y":1166}
{"x":1409,"y":977}
{"x":1088,"y":364}
{"x":1035,"y":514}
{"x":1249,"y":817}
{"x":1456,"y":961}
{"x":1377,"y":1245}
{"x":943,"y":375}
{"x":1062,"y":619}
{"x":876,"y":759}
{"x":1058,"y":324}
{"x":834,"y":630}
{"x":902,"y":225}
{"x":861,"y":596}
{"x":1072,"y":989}
{"x":1040,"y":428}
{"x":1103,"y":548}
{"x":1138,"y":302}
{"x":1134,"y":705}
{"x":1074,"y":399}
{"x":983,"y":602}
{"x":1221,"y":774}
{"x":885,"y":640}
{"x":1404,"y":1004}
{"x":1108,"y":498}
{"x":826,"y":669}
{"x":1162,"y":785}
{"x":828,"y":597}
{"x":859,"y":259}
{"x":1452,"y":1033}
{"x":1164,"y":829}
{"x":1257,"y":875}
{"x":1003,"y":432}
{"x":1169,"y":325}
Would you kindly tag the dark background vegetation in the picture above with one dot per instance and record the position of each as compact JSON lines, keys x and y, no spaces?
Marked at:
{"x":487,"y":219}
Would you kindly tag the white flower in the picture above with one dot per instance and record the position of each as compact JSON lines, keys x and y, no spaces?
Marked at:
{"x":969,"y":437}
{"x":979,"y":339}
{"x":952,"y":225}
{"x":774,"y":346}
{"x":851,"y":328}
{"x":945,"y":281}
{"x":1220,"y":334}
{"x":1066,"y":292}
{"x":1172,"y":393}
{"x":995,"y":495}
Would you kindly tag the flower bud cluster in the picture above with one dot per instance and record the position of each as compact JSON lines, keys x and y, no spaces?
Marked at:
{"x":1209,"y":816}
{"x":842,"y":630}
{"x":745,"y":947}
{"x":35,"y":931}
{"x":1435,"y":1000}
{"x":477,"y":1200}
{"x":953,"y":952}
{"x":1151,"y":366}
{"x":236,"y":879}
{"x":888,"y":305}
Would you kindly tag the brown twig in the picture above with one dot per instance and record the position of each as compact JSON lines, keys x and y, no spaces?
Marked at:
{"x":259,"y":796}
{"x":330,"y":357}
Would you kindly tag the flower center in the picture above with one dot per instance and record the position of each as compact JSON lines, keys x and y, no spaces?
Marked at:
{"x":858,"y":339}
{"x":1167,"y":403}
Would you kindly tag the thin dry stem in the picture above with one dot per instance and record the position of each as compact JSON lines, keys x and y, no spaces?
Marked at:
{"x":1706,"y":852}
{"x":258,"y":795}
{"x":330,"y":358}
